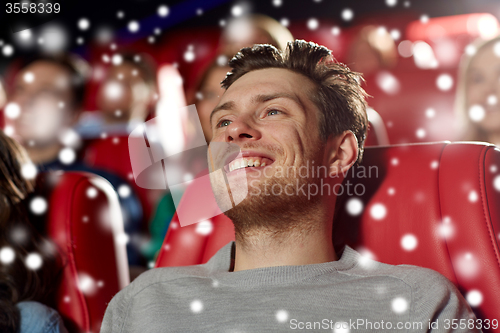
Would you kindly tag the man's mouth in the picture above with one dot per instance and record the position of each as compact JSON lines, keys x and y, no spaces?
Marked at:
{"x":251,"y":160}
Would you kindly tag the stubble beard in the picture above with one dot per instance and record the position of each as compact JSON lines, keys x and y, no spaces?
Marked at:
{"x":263,"y":212}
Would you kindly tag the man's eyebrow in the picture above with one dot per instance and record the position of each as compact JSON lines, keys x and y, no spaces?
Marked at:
{"x":261,"y":98}
{"x":226,"y":106}
{"x":268,"y":97}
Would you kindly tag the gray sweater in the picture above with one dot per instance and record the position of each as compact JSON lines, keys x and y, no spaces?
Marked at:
{"x":349,"y":295}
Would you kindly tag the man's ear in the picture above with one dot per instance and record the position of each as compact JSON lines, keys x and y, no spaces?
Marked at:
{"x":342,"y":152}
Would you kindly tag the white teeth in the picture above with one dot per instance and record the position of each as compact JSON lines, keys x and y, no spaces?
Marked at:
{"x":244,"y":162}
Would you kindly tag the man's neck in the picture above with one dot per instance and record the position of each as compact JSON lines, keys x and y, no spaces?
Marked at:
{"x":495,"y":138}
{"x":43,"y":154}
{"x":304,"y":244}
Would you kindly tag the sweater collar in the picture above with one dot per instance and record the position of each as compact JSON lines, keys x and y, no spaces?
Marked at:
{"x":219,"y":265}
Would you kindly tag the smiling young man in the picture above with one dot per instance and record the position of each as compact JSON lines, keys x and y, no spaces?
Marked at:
{"x":286,"y":113}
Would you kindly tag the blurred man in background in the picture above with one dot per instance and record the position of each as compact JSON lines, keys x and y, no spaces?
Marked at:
{"x":43,"y":105}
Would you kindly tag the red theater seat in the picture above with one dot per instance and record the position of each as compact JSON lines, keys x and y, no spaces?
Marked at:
{"x":112,"y":154}
{"x":85,"y":222}
{"x":433,"y":205}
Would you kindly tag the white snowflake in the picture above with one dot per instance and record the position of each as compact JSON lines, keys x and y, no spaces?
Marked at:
{"x":33,"y":261}
{"x":409,"y":242}
{"x":492,"y":100}
{"x":312,"y":24}
{"x":395,"y":34}
{"x":430,"y":113}
{"x":473,"y":196}
{"x":38,"y":205}
{"x":7,"y":255}
{"x":444,"y":82}
{"x":476,"y":113}
{"x":420,"y":133}
{"x":281,"y":316}
{"x":399,"y":305}
{"x":91,"y":192}
{"x":133,"y":26}
{"x":122,"y":238}
{"x":29,"y":171}
{"x":12,"y":110}
{"x":237,"y":10}
{"x":83,"y":24}
{"x":163,"y":11}
{"x":378,"y":211}
{"x":204,"y":227}
{"x":496,"y":183}
{"x":347,"y":14}
{"x":116,"y":59}
{"x":470,"y":50}
{"x":86,"y":284}
{"x":474,"y":298}
{"x":7,"y":50}
{"x":124,"y":191}
{"x":28,"y":77}
{"x":387,"y":82}
{"x":354,"y":206}
{"x":196,"y":306}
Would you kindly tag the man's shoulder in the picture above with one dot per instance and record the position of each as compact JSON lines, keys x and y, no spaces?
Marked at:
{"x":415,"y":277}
{"x":159,"y":276}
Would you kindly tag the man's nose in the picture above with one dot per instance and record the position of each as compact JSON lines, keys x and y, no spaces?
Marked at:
{"x":240,"y":130}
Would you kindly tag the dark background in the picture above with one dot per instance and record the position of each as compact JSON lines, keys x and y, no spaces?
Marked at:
{"x":183,"y":13}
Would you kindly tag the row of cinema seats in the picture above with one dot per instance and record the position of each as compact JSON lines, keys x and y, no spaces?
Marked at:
{"x":433,"y":205}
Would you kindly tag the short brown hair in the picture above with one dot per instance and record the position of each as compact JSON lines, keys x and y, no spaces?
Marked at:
{"x":339,"y":96}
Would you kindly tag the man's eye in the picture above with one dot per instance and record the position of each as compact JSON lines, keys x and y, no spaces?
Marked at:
{"x":223,"y":123}
{"x":273,"y":112}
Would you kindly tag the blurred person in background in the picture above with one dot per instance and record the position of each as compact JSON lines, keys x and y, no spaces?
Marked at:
{"x":250,"y":30}
{"x":25,"y":288}
{"x":478,"y":90}
{"x":43,"y":105}
{"x":124,"y":99}
{"x":239,"y":33}
{"x":2,"y":95}
{"x":372,"y":49}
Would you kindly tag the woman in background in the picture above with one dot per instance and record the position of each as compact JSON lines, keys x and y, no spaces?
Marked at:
{"x":29,"y":268}
{"x":478,"y":92}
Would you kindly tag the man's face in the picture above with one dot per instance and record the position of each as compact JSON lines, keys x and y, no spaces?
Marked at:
{"x":269,"y":115}
{"x":123,"y":91}
{"x":483,"y":88}
{"x":40,"y":104}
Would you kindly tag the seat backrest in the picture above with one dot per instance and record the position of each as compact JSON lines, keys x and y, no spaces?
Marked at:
{"x":434,"y":205}
{"x":112,"y":154}
{"x":84,"y":221}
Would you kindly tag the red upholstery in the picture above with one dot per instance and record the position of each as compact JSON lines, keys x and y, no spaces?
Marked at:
{"x":112,"y":154}
{"x":444,"y":194}
{"x":85,"y":222}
